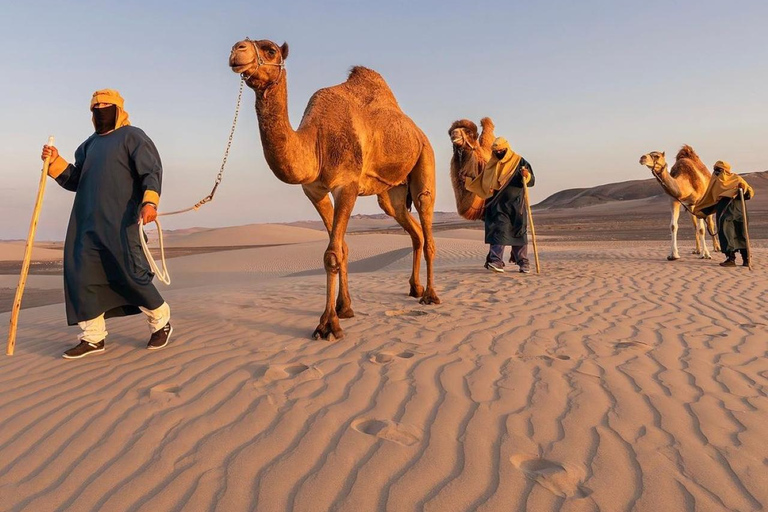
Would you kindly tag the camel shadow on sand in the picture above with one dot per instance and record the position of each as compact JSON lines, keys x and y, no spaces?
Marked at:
{"x":370,"y":264}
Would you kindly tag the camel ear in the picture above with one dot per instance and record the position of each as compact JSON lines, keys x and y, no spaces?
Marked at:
{"x":663,"y":153}
{"x":284,"y":50}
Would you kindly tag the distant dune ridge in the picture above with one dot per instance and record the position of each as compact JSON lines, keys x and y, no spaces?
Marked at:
{"x":635,"y":189}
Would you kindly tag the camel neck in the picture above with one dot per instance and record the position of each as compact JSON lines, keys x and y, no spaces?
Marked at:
{"x":670,"y":185}
{"x":288,"y":156}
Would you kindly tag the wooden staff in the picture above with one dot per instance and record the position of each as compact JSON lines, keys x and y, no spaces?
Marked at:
{"x":27,"y":256}
{"x":746,"y":228}
{"x":530,"y":223}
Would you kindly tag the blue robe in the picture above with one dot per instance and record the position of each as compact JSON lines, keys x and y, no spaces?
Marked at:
{"x":506,"y":219}
{"x":105,"y":270}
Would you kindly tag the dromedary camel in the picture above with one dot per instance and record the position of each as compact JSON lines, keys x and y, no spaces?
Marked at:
{"x":685,"y":183}
{"x":470,"y":155}
{"x":352,"y":141}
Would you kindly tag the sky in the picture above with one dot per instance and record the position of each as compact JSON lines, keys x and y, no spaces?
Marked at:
{"x":580,"y":88}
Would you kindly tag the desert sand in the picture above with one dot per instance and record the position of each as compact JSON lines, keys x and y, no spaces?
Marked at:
{"x":615,"y":380}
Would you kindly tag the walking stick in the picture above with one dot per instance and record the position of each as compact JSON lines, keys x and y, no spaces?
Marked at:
{"x":533,"y":229}
{"x":746,"y":228}
{"x":27,"y":256}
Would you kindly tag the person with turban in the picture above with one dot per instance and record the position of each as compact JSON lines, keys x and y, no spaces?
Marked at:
{"x":116,"y":178}
{"x":506,"y":219}
{"x":722,"y":198}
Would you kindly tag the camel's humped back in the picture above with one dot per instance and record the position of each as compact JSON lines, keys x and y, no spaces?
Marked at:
{"x":688,"y":162}
{"x":369,"y":87}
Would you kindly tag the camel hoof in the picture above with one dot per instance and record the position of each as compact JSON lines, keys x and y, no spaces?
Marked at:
{"x":673,"y":258}
{"x":345,"y":312}
{"x":416,"y":291}
{"x":429,"y":297}
{"x":705,"y":257}
{"x":328,"y":330}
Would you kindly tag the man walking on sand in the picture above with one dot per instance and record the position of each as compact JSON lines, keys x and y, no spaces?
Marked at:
{"x":722,"y":198}
{"x":116,"y":178}
{"x":506,"y":221}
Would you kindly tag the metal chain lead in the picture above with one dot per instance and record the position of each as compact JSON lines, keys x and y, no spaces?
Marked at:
{"x":220,"y":175}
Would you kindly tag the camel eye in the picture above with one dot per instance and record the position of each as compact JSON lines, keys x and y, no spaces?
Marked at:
{"x":272,"y":52}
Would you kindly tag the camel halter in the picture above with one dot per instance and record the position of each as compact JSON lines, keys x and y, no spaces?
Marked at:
{"x":259,"y":61}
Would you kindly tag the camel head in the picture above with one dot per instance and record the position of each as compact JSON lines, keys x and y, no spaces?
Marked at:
{"x":261,"y":63}
{"x":463,"y":135}
{"x":654,"y":161}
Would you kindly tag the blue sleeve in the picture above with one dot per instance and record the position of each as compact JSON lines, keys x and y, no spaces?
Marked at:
{"x":146,"y":161}
{"x":70,"y":177}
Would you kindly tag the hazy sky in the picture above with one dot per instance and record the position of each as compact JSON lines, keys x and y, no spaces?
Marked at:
{"x":580,"y":88}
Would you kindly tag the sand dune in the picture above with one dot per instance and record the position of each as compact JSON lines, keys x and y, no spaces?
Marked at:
{"x":252,"y":234}
{"x":14,"y":251}
{"x":613,"y":381}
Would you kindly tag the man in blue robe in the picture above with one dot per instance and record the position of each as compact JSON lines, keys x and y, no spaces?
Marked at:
{"x":116,"y":177}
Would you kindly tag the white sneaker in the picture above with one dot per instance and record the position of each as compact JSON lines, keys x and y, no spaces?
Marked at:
{"x":494,"y":268}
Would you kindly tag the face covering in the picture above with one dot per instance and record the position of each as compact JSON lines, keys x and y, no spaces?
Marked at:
{"x":104,"y":119}
{"x":500,"y":154}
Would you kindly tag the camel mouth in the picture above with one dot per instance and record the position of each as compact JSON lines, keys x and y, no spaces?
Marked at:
{"x":239,"y":68}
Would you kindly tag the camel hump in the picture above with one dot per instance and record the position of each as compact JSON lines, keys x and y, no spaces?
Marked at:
{"x":686,"y":152}
{"x":369,"y":86}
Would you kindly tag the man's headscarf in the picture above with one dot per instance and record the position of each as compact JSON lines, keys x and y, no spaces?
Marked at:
{"x":112,"y":97}
{"x":496,"y":173}
{"x":725,"y":184}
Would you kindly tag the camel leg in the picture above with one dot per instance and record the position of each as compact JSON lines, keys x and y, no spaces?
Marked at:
{"x":713,"y":229}
{"x":394,"y":204}
{"x":344,"y":201}
{"x":323,"y":205}
{"x":701,"y":233}
{"x":422,"y":185}
{"x":698,"y":249}
{"x":674,"y":254}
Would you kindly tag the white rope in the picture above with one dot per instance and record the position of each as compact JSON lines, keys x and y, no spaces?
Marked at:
{"x":163,"y":275}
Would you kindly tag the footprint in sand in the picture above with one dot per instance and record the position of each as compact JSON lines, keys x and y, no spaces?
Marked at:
{"x":164,"y":392}
{"x":400,"y":433}
{"x":388,"y":357}
{"x":405,"y":312}
{"x":284,"y":371}
{"x":620,"y":345}
{"x":560,"y":479}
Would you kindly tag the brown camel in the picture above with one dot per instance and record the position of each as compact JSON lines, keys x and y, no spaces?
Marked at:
{"x":470,"y":155}
{"x":685,"y":183}
{"x":352,"y":141}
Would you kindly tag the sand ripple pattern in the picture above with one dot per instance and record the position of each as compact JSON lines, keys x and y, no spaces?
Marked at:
{"x":615,"y":381}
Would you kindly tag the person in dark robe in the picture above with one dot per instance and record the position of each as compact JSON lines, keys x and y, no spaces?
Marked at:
{"x":506,"y":219}
{"x":722,"y":198}
{"x":116,"y":178}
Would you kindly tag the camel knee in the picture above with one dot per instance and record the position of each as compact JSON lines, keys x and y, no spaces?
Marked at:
{"x":331,"y":261}
{"x":424,"y":201}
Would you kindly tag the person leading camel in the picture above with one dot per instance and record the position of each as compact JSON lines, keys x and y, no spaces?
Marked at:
{"x":116,"y":179}
{"x":506,"y":222}
{"x":722,"y":198}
